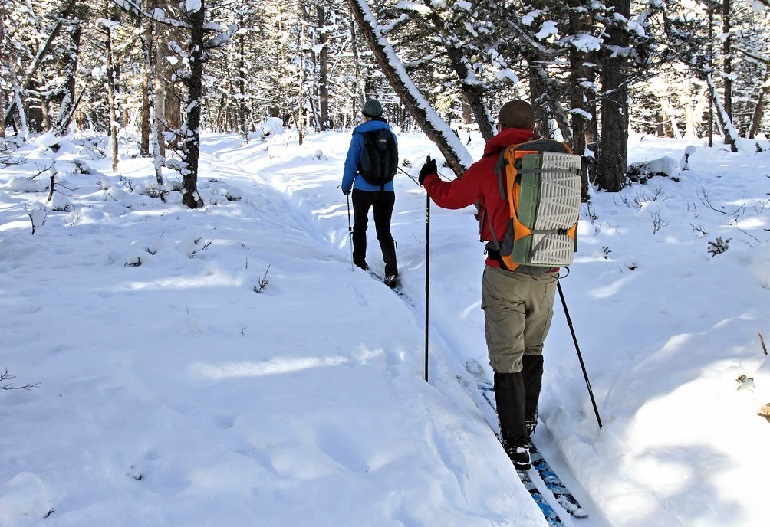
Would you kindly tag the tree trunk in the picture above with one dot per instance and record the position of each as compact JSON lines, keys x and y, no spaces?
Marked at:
{"x":612,"y":161}
{"x":29,"y":75}
{"x":582,"y":101}
{"x":110,"y":86}
{"x":360,"y":95}
{"x":242,"y":110}
{"x":546,"y":96}
{"x":3,"y":60}
{"x":457,"y":157}
{"x":727,"y":64}
{"x":148,"y":103}
{"x":323,"y":66}
{"x":759,"y":109}
{"x":725,"y":123}
{"x":160,"y":89}
{"x":145,"y":113}
{"x":580,"y":98}
{"x":472,"y":92}
{"x":539,"y":100}
{"x":191,"y":129}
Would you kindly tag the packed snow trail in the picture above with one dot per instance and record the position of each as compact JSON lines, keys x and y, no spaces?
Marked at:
{"x":311,"y":190}
{"x":172,"y":393}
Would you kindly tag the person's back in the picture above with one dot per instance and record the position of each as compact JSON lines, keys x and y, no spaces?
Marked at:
{"x":352,"y":177}
{"x":379,"y":197}
{"x":518,"y":304}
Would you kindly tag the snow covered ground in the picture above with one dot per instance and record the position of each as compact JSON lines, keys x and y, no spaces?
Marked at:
{"x":225,"y":366}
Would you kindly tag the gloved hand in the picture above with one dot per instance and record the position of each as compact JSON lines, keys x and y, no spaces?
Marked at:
{"x":346,"y":192}
{"x":428,"y":168}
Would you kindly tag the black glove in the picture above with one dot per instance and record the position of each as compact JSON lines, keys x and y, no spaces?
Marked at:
{"x":427,"y":169}
{"x":346,"y":192}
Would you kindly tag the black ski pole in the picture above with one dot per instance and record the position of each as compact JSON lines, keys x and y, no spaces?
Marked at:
{"x":410,"y":176}
{"x":350,"y":234}
{"x":427,"y":279}
{"x":427,"y":267}
{"x":580,"y":355}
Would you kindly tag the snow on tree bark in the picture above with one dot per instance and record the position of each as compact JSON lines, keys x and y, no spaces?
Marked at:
{"x":457,"y":156}
{"x":612,"y":159}
{"x":194,"y":83}
{"x":725,"y":123}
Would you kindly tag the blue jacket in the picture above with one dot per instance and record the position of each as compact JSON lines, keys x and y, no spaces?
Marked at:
{"x":351,"y":174}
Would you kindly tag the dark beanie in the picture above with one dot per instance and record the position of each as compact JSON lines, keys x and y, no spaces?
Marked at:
{"x":372,"y":108}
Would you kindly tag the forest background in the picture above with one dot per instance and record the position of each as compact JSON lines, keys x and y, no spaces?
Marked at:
{"x":593,"y":70}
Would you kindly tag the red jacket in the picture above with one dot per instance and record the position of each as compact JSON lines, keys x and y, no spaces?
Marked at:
{"x":479,"y":184}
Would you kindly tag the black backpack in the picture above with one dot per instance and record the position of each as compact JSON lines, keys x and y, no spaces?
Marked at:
{"x":379,"y":157}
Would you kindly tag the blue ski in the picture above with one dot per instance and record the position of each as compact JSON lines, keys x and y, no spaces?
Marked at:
{"x":550,"y":515}
{"x":563,"y":496}
{"x":555,"y":485}
{"x":486,"y":391}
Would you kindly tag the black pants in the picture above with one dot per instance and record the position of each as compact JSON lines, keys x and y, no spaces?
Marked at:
{"x":381,"y":203}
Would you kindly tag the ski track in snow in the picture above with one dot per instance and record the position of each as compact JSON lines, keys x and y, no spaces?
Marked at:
{"x":450,"y":367}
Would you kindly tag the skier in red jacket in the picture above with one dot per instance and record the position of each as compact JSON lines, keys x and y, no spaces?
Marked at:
{"x":517,"y":304}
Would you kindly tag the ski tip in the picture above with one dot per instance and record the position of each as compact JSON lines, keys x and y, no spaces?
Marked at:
{"x":574,"y":510}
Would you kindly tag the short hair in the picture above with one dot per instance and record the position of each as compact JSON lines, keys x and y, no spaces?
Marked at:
{"x":517,"y":114}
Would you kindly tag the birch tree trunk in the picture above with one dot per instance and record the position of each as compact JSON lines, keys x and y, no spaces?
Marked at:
{"x":323,"y":67}
{"x":759,"y":109}
{"x":457,"y":157}
{"x":110,"y":85}
{"x":149,"y":122}
{"x":3,"y":60}
{"x":728,"y":130}
{"x":242,"y":110}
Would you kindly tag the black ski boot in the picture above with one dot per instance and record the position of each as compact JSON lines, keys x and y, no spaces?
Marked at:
{"x":532,"y":372}
{"x":509,"y":397}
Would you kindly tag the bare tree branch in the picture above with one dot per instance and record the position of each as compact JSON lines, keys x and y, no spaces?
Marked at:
{"x":5,"y":376}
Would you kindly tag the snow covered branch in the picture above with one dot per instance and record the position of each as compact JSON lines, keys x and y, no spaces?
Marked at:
{"x":457,"y":156}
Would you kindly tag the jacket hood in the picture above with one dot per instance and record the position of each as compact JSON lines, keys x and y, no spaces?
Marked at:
{"x":373,"y":124}
{"x":506,"y":138}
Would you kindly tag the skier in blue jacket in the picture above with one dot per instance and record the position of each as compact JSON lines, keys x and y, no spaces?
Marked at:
{"x":380,"y":198}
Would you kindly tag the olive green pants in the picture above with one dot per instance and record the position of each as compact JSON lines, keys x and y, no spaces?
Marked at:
{"x":518,"y":308}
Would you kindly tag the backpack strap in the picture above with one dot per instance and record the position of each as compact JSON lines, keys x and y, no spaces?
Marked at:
{"x":493,"y":246}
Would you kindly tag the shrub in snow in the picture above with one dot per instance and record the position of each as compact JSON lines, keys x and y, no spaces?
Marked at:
{"x":27,"y":184}
{"x":665,"y":166}
{"x":685,"y":164}
{"x":37,"y":215}
{"x":261,"y":283}
{"x":718,"y":246}
{"x":60,"y":203}
{"x":271,"y":127}
{"x":5,"y":385}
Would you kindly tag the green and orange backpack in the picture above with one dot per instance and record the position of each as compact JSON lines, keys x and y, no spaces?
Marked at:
{"x":541,"y":182}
